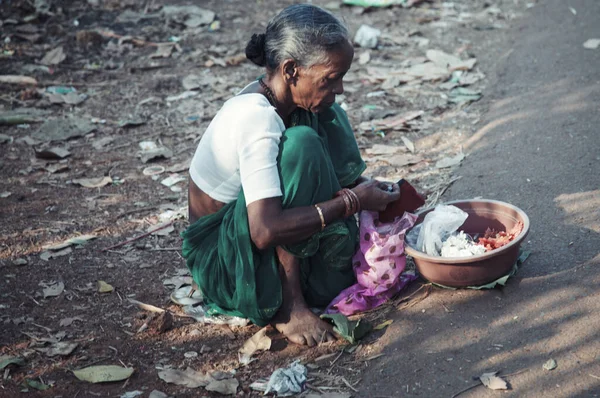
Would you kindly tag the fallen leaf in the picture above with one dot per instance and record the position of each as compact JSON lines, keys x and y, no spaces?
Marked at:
{"x":592,"y":44}
{"x":54,"y":57}
{"x":157,"y":394}
{"x":53,"y":153}
{"x":69,"y":98}
{"x":402,"y":160}
{"x":59,"y":348}
{"x":428,"y":71}
{"x":462,"y":95}
{"x":93,"y":182}
{"x":449,"y":162}
{"x":352,"y":331}
{"x":258,"y":342}
{"x":132,"y":394}
{"x":225,"y":387}
{"x":384,"y":325}
{"x":77,"y":240}
{"x":493,"y":382}
{"x":188,"y":378}
{"x":178,"y":281}
{"x":391,"y":122}
{"x":236,"y":59}
{"x":36,"y":384}
{"x":53,"y":289}
{"x":16,"y":79}
{"x":104,"y":287}
{"x":409,"y":144}
{"x":64,"y":129}
{"x":452,"y":63}
{"x":6,"y":360}
{"x":103,"y":373}
{"x":46,"y":255}
{"x":5,"y":194}
{"x":379,"y":149}
{"x":550,"y":364}
{"x":69,"y":321}
{"x":164,"y":50}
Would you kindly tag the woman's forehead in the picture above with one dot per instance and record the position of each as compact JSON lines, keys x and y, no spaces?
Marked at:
{"x":339,"y":60}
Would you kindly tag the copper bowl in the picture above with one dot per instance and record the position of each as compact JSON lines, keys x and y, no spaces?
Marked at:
{"x":480,"y":269}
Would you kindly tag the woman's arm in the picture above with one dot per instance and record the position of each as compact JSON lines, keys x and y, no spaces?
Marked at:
{"x":270,"y":225}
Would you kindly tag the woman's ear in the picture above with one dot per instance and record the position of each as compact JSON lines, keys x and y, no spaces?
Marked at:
{"x":289,"y":70}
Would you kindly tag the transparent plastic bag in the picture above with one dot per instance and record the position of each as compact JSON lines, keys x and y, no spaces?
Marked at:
{"x":437,"y":226}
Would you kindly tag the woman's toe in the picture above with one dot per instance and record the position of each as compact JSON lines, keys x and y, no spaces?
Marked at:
{"x":297,"y":339}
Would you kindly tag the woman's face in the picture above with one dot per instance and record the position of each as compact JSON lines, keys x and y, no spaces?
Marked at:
{"x":316,"y":87}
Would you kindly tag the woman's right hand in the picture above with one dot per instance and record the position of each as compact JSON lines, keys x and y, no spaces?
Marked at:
{"x":374,"y":195}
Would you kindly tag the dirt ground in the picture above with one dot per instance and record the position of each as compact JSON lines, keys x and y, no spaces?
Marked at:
{"x":131,"y":97}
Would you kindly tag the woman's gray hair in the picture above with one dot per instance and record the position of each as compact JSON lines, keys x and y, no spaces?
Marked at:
{"x":302,"y":32}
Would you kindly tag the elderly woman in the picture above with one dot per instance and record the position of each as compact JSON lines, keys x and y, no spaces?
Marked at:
{"x":276,"y":181}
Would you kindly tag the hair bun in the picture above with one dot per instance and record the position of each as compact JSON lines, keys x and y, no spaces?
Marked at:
{"x":255,"y":49}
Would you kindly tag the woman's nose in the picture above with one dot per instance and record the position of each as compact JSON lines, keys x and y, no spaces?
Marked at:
{"x":339,"y":88}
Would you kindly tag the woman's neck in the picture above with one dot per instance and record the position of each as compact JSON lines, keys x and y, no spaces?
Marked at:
{"x":283,"y":98}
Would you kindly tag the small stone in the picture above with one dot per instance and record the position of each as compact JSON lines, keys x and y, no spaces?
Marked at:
{"x":20,"y":261}
{"x":195,"y":333}
{"x":550,"y":364}
{"x":205,"y":349}
{"x":191,"y":354}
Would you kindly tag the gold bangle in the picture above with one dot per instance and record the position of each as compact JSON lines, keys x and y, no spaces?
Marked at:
{"x":321,"y":217}
{"x":356,"y":200}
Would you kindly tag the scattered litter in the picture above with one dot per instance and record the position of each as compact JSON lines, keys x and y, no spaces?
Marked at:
{"x":351,"y":331}
{"x":184,"y":296}
{"x":54,"y":57}
{"x":452,"y":63}
{"x":69,"y":321}
{"x":150,"y":151}
{"x":462,"y":95}
{"x":288,"y":381}
{"x":188,"y":378}
{"x":164,"y":50}
{"x":380,"y":149}
{"x":63,"y":129}
{"x":157,"y":394}
{"x":428,"y":71}
{"x":493,"y":382}
{"x":258,"y":342}
{"x":182,"y":96}
{"x":592,"y":44}
{"x":20,"y":261}
{"x":199,"y":314}
{"x":443,"y":221}
{"x":191,"y":354}
{"x":390,"y":123}
{"x":102,"y":142}
{"x":59,"y":348}
{"x":225,"y":387}
{"x":166,"y":231}
{"x":53,"y":153}
{"x":97,"y":182}
{"x":5,"y":194}
{"x":367,"y":36}
{"x":450,"y":161}
{"x":103,"y":373}
{"x":550,"y":364}
{"x":77,"y":240}
{"x":136,"y":121}
{"x":172,"y":180}
{"x":364,"y":58}
{"x":402,"y":160}
{"x":132,"y":394}
{"x":36,"y":385}
{"x":17,"y":79}
{"x":64,"y":95}
{"x":47,"y":255}
{"x":6,"y":360}
{"x":52,"y":289}
{"x":104,"y":287}
{"x":190,"y":16}
{"x":409,"y":144}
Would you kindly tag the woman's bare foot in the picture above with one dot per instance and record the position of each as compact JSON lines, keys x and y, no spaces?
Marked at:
{"x":303,"y":327}
{"x":294,"y":319}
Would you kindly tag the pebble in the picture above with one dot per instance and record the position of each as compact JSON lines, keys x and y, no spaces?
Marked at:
{"x":204,"y":349}
{"x":191,"y":354}
{"x":195,"y":333}
{"x":20,"y":261}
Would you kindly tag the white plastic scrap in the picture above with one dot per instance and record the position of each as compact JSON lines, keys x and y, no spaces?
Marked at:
{"x":367,"y":36}
{"x":198,"y":312}
{"x":461,"y":245}
{"x":287,"y":381}
{"x":442,"y":222}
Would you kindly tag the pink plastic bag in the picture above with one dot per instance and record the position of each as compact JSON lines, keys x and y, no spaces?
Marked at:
{"x":378,"y":264}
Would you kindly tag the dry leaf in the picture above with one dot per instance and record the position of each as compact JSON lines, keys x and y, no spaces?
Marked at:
{"x":103,"y":373}
{"x":104,"y":287}
{"x":259,"y":341}
{"x":409,"y":144}
{"x":493,"y":382}
{"x":395,"y":122}
{"x":449,"y":162}
{"x":59,"y":348}
{"x":384,"y":325}
{"x":53,"y":289}
{"x":236,"y":59}
{"x":379,"y":149}
{"x":225,"y":387}
{"x":53,"y":153}
{"x":69,"y":321}
{"x":93,"y":182}
{"x":402,"y":160}
{"x":452,"y":63}
{"x":17,"y":79}
{"x":188,"y":378}
{"x":54,"y":57}
{"x":77,"y":240}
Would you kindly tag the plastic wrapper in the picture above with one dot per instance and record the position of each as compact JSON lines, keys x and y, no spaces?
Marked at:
{"x":437,"y":226}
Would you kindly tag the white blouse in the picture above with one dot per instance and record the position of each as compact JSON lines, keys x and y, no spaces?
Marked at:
{"x":239,"y":150}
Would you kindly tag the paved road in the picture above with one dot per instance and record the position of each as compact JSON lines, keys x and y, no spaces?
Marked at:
{"x":538,"y":147}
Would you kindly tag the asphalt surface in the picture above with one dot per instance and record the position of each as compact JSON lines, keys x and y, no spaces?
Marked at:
{"x":538,"y":147}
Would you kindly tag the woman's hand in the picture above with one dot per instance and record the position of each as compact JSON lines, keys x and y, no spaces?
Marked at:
{"x":375,"y":195}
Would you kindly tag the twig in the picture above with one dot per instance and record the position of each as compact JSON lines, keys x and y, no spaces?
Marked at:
{"x":595,"y":377}
{"x":336,"y":358}
{"x":34,"y":300}
{"x":349,"y":385}
{"x":134,"y":210}
{"x":518,"y":372}
{"x":138,"y":42}
{"x":138,"y":237}
{"x":75,"y":84}
{"x":43,"y":327}
{"x":169,"y":249}
{"x":467,"y":389}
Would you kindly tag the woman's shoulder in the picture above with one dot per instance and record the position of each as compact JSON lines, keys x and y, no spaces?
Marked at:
{"x":250,"y":110}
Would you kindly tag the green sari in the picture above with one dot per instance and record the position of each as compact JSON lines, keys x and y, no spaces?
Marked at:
{"x":317,"y":156}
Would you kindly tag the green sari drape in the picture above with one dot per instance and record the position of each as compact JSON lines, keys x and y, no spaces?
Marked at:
{"x":317,"y":156}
